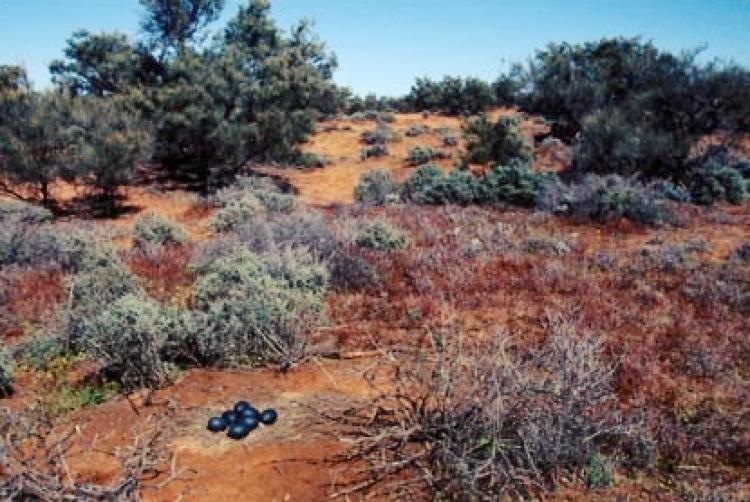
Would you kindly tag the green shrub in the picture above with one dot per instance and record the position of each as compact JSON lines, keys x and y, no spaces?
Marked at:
{"x":671,"y":191}
{"x":22,"y":212}
{"x":374,"y":151}
{"x":610,"y":143}
{"x":742,"y":253}
{"x":423,"y":154}
{"x":247,"y":310}
{"x":380,"y":136}
{"x":310,"y":159}
{"x":416,"y":130}
{"x":599,"y":472}
{"x":6,"y":371}
{"x":459,"y":187}
{"x":515,"y":184}
{"x":91,"y":291}
{"x":418,"y":182}
{"x":450,"y":140}
{"x":236,"y":212}
{"x":609,"y":198}
{"x":714,"y":182}
{"x":128,"y":336}
{"x":499,"y":143}
{"x":65,"y":246}
{"x":387,"y":117}
{"x":154,"y":230}
{"x":381,"y":236}
{"x":375,"y":187}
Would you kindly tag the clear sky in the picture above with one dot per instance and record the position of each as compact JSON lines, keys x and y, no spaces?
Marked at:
{"x":383,"y":45}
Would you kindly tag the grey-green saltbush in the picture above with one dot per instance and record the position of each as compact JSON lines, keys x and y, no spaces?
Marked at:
{"x":249,"y":309}
{"x":11,"y":210}
{"x":606,"y":198}
{"x":381,"y":236}
{"x":92,"y":290}
{"x":420,"y":155}
{"x":374,"y":151}
{"x":236,"y":212}
{"x":714,"y":182}
{"x":515,"y":184}
{"x":6,"y":371}
{"x":154,"y":230}
{"x":129,"y":337}
{"x":374,"y":187}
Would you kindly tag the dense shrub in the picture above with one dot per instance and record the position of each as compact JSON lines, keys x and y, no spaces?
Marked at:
{"x":373,"y":151}
{"x":423,"y":154}
{"x":515,"y":184}
{"x":375,"y":187}
{"x":459,"y":187}
{"x":236,"y":212}
{"x":742,"y":253}
{"x":611,"y":143}
{"x":416,"y":130}
{"x":306,"y":229}
{"x":249,"y":310}
{"x":638,"y":109}
{"x":65,"y":246}
{"x":22,"y":212}
{"x":418,"y":181}
{"x":93,"y":289}
{"x":380,"y":136}
{"x":381,"y":236}
{"x":449,"y":140}
{"x":609,"y":198}
{"x":129,"y":337}
{"x":154,"y":230}
{"x":452,"y":95}
{"x":6,"y":371}
{"x":718,"y":175}
{"x":498,"y":143}
{"x":715,"y":183}
{"x":310,"y":159}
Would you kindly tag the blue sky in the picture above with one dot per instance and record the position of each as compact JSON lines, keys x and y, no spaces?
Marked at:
{"x":383,"y":45}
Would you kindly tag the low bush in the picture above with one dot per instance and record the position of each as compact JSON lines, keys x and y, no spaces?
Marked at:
{"x":608,"y":198}
{"x":420,"y":155}
{"x":495,"y":143}
{"x":248,"y":309}
{"x":380,"y":136}
{"x":416,"y":130}
{"x":381,"y":236}
{"x":374,"y":151}
{"x":375,"y":187}
{"x":154,"y":230}
{"x":65,"y":246}
{"x":92,"y":290}
{"x":450,"y":140}
{"x":6,"y":371}
{"x":310,"y":159}
{"x":742,"y":253}
{"x":306,"y":229}
{"x":419,"y":181}
{"x":236,"y":212}
{"x":351,"y":271}
{"x":714,"y":182}
{"x":129,"y":337}
{"x":515,"y":184}
{"x":22,"y":212}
